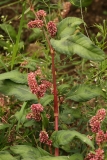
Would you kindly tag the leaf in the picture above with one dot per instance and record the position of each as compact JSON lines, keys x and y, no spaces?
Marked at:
{"x":78,"y":44}
{"x":9,"y":30}
{"x":61,"y":138}
{"x":28,"y":152}
{"x":84,"y":3}
{"x":19,"y":115}
{"x":3,"y":126}
{"x":54,"y":158}
{"x":67,"y":26}
{"x":21,"y":92}
{"x":45,"y":120}
{"x":63,"y":87}
{"x":76,"y":156}
{"x":83,"y":93}
{"x":68,"y":115}
{"x":46,"y":100}
{"x":4,"y":155}
{"x":73,"y":157}
{"x":14,"y":76}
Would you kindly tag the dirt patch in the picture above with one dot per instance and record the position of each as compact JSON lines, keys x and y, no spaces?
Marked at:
{"x":95,"y":13}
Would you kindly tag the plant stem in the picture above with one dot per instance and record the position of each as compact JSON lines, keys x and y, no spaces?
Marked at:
{"x":56,"y":110}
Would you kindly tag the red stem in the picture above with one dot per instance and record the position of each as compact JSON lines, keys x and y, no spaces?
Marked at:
{"x":56,"y":109}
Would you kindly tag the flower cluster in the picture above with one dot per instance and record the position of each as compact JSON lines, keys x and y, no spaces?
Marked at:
{"x":40,"y":14}
{"x":39,"y":23}
{"x":101,"y":137}
{"x":35,"y":113}
{"x":38,"y":89}
{"x":36,"y":24}
{"x":99,"y":155}
{"x":44,"y":138}
{"x":95,"y":121}
{"x":52,"y":29}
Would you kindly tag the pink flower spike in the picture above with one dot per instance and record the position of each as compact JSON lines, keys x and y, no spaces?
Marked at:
{"x":43,"y":136}
{"x":40,"y":14}
{"x":36,"y":24}
{"x":52,"y":29}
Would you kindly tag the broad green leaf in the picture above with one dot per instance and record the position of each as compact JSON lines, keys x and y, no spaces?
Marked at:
{"x":63,"y":87}
{"x":68,"y":115}
{"x":46,"y":100}
{"x":28,"y":152}
{"x":76,"y":156}
{"x":54,"y":158}
{"x":73,"y":157}
{"x":68,"y":26}
{"x":83,"y":93}
{"x":3,"y":126}
{"x":14,"y":76}
{"x":78,"y":44}
{"x":19,"y":91}
{"x":62,"y":138}
{"x":4,"y":155}
{"x":78,"y":3}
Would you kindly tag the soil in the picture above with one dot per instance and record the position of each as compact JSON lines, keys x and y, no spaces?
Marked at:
{"x":95,"y":13}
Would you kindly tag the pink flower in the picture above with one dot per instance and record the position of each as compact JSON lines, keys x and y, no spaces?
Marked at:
{"x":98,"y":155}
{"x":100,"y":137}
{"x":36,"y":24}
{"x":40,"y":89}
{"x":36,"y":108}
{"x":32,"y":83}
{"x":52,"y":29}
{"x":101,"y":114}
{"x":43,"y":136}
{"x":40,"y":14}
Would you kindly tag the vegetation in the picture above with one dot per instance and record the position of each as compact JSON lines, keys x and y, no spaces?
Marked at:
{"x":53,"y":101}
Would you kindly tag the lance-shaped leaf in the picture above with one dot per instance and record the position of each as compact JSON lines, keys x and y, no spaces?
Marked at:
{"x":28,"y":152}
{"x":61,"y":138}
{"x":68,"y":26}
{"x":19,"y":91}
{"x":46,"y":99}
{"x":5,"y":155}
{"x":78,"y":44}
{"x":14,"y":76}
{"x":83,"y":93}
{"x":74,"y":157}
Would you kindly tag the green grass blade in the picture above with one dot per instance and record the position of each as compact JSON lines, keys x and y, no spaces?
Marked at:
{"x":15,"y":48}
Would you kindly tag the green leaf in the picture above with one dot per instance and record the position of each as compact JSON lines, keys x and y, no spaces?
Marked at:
{"x":68,"y":26}
{"x":19,"y":115}
{"x":9,"y":30}
{"x":83,"y":93}
{"x":63,"y":87}
{"x":21,"y":92}
{"x":73,"y":157}
{"x":68,"y":115}
{"x":14,"y":76}
{"x":78,"y":44}
{"x":4,"y":155}
{"x":3,"y":126}
{"x":85,"y":3}
{"x":45,"y":120}
{"x":76,"y":156}
{"x":28,"y":152}
{"x":62,"y":138}
{"x":46,"y":99}
{"x":54,"y":158}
